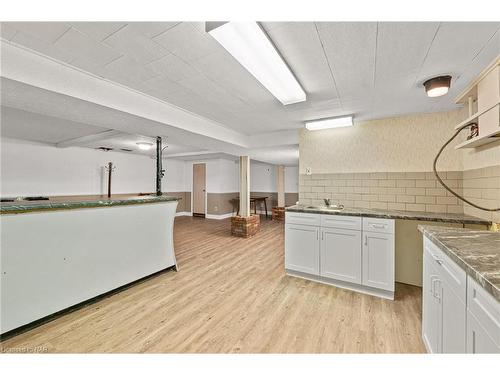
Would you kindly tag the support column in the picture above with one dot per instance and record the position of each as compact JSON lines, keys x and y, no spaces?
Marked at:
{"x":246,"y":224}
{"x":244,"y":186}
{"x":279,"y":211}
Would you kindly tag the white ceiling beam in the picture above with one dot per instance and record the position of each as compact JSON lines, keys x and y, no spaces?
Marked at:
{"x":26,"y":66}
{"x":86,"y":139}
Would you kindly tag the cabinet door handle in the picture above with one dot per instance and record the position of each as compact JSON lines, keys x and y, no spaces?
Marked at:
{"x":438,"y":261}
{"x":322,"y":236}
{"x":473,"y":342}
{"x":366,"y":240}
{"x":433,"y":278}
{"x":317,"y":234}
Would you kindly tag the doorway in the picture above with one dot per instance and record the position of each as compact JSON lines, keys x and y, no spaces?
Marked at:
{"x":199,"y":190}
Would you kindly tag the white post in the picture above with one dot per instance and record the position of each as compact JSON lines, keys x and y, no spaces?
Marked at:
{"x":244,"y":186}
{"x":281,"y":185}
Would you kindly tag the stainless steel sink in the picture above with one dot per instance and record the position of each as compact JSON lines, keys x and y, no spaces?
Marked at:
{"x":326,"y":208}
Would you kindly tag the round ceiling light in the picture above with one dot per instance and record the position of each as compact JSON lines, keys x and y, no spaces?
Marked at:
{"x":437,"y":86}
{"x":144,"y":145}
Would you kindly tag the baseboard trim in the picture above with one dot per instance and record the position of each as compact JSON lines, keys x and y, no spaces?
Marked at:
{"x":219,"y":217}
{"x":343,"y":284}
{"x":183,"y":213}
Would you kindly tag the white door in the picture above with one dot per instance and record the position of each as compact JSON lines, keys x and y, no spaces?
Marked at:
{"x":199,"y":187}
{"x":430,"y":308}
{"x":378,"y":260}
{"x":478,"y":340}
{"x":341,"y":254}
{"x":302,"y":248}
{"x":453,"y":315}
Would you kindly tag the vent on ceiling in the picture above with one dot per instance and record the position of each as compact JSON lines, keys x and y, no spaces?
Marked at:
{"x":126,"y":149}
{"x":105,"y":149}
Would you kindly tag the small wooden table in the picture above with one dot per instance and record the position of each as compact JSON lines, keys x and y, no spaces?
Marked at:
{"x":254,"y":200}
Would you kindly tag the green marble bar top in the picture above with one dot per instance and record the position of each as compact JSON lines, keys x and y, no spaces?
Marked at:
{"x":80,"y":201}
{"x":475,"y":251}
{"x":391,"y":214}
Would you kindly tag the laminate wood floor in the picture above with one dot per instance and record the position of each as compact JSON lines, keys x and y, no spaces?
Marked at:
{"x":231,"y":295}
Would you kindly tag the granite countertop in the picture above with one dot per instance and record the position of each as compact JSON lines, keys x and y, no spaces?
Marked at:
{"x":392,"y":214}
{"x":476,"y":251}
{"x":80,"y":201}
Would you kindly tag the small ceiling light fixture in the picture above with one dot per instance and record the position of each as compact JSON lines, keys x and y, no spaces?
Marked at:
{"x":329,"y":123}
{"x":248,"y":43}
{"x":437,"y":86}
{"x":144,"y":145}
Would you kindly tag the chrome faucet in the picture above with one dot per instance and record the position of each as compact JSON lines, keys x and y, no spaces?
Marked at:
{"x":329,"y":204}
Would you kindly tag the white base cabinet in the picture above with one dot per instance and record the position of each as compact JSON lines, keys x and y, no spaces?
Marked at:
{"x":341,"y":254}
{"x":378,"y":260}
{"x":330,"y":249}
{"x":302,"y":242}
{"x":458,"y":315}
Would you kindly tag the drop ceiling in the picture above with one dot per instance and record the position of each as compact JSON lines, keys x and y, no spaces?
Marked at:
{"x":370,"y":69}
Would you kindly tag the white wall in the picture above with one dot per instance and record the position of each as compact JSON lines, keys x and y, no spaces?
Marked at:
{"x":221,"y":175}
{"x":29,"y":168}
{"x":399,"y":144}
{"x":291,"y":179}
{"x":262,"y":177}
{"x":175,"y":175}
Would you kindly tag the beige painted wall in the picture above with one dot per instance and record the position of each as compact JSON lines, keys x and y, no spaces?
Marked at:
{"x":401,"y":144}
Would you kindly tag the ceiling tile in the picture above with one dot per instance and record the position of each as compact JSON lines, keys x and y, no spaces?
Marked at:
{"x":129,"y":68}
{"x":300,"y":46}
{"x":46,"y":31}
{"x":350,"y":49}
{"x":83,"y":46}
{"x":6,"y":31}
{"x":45,"y":48}
{"x":455,"y":46}
{"x":98,"y":30}
{"x":172,"y":67}
{"x":394,"y":58}
{"x":186,"y":41}
{"x":31,"y":126}
{"x":135,"y":45}
{"x":151,"y":29}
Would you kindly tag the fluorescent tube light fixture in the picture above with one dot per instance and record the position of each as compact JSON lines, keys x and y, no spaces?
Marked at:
{"x":329,"y":123}
{"x":251,"y":47}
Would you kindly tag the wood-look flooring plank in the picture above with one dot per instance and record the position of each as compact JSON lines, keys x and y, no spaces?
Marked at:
{"x":231,"y":295}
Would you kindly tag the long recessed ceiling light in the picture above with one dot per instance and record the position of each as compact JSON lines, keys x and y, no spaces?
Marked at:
{"x":328,"y":123}
{"x":251,"y":47}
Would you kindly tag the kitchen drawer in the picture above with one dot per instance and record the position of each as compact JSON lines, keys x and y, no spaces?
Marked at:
{"x":447,"y":269}
{"x":373,"y":224}
{"x":341,"y":222}
{"x":302,"y":219}
{"x":485,"y":308}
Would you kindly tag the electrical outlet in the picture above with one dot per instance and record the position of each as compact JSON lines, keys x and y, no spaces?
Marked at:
{"x":308,"y":171}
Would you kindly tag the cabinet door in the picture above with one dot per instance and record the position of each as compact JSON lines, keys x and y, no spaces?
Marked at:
{"x":452,"y":318}
{"x":430,"y":308}
{"x":341,"y":254}
{"x":302,"y":248}
{"x":478,"y":340}
{"x":378,"y":260}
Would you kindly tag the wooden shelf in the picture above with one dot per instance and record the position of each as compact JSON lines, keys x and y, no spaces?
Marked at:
{"x":479,"y":141}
